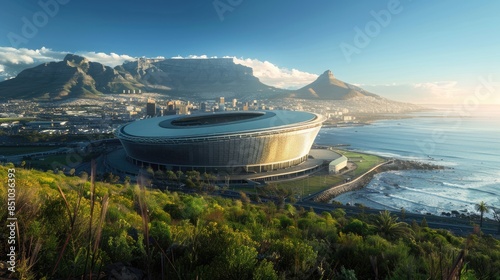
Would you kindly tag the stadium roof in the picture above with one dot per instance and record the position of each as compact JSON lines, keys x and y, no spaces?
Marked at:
{"x":213,"y":124}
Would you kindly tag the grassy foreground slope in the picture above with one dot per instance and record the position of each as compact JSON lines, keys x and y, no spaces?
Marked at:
{"x":69,"y":228}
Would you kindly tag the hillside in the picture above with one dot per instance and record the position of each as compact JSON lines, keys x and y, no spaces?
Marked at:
{"x":326,"y":86}
{"x":68,"y":228}
{"x":74,"y":77}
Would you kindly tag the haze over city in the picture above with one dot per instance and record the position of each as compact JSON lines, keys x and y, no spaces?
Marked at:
{"x":413,"y":51}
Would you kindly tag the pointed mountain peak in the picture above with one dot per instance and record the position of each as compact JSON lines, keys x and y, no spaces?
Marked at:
{"x":328,"y":78}
{"x":326,"y":86}
{"x":328,"y":74}
{"x":76,"y":59}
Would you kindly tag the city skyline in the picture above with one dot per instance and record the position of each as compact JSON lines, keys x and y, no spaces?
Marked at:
{"x":403,"y":50}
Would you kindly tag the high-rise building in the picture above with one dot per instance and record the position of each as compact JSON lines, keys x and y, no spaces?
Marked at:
{"x":235,"y":101}
{"x":221,"y":100}
{"x":170,"y":105}
{"x":151,"y":108}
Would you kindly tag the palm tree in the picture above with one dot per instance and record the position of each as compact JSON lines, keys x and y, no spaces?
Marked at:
{"x":389,"y":227}
{"x":482,"y":208}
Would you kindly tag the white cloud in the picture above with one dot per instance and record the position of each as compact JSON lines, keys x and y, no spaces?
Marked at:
{"x":439,"y":89}
{"x":13,"y":61}
{"x":9,"y":55}
{"x":204,"y":56}
{"x":13,"y":56}
{"x":111,"y":59}
{"x":273,"y":75}
{"x":193,"y":56}
{"x":267,"y":72}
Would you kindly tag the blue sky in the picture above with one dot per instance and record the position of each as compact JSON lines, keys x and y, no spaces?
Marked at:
{"x":420,"y":51}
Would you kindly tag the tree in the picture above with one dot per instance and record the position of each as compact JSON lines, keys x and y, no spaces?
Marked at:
{"x":389,"y":227}
{"x":193,"y":175}
{"x":179,"y":176}
{"x":496,"y":215}
{"x":159,"y":174}
{"x":127,"y":180}
{"x":424,"y":223}
{"x":346,"y":274}
{"x":84,"y":175}
{"x":209,"y":178}
{"x":150,"y":172}
{"x":171,"y":175}
{"x":482,"y":208}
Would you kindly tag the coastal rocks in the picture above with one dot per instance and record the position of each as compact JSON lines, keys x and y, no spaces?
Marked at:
{"x":363,"y":180}
{"x":411,"y":165}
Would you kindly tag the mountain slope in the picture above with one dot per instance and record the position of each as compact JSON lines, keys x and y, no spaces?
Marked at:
{"x":75,"y":76}
{"x":326,"y":86}
{"x":220,"y":75}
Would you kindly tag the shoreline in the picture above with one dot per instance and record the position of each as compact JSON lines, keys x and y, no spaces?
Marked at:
{"x":453,"y":192}
{"x":328,"y":195}
{"x":363,"y":180}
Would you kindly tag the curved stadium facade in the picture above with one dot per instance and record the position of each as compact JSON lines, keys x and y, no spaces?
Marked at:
{"x":250,"y":141}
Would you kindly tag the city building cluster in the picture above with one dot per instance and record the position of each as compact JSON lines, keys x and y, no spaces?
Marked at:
{"x":104,"y":115}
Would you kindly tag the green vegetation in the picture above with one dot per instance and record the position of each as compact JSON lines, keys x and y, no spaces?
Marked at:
{"x":364,"y":162}
{"x":311,"y":184}
{"x":52,"y":162}
{"x":69,"y":228}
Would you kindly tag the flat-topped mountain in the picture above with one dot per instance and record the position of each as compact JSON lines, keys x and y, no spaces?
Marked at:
{"x":326,"y":86}
{"x":193,"y":75}
{"x":76,"y":76}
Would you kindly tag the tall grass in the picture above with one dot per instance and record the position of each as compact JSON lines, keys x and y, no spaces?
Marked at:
{"x":93,"y":240}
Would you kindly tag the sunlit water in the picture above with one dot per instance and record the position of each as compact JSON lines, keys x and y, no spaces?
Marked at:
{"x":468,"y":144}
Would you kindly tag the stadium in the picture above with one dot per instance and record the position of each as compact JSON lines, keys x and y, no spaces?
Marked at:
{"x":234,"y":142}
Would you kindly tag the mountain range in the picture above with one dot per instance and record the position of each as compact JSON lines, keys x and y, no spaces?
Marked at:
{"x":77,"y":77}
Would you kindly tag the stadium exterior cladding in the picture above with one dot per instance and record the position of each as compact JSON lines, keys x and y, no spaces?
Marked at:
{"x":236,"y":142}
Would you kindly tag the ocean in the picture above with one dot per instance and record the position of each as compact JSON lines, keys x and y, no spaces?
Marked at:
{"x":467,"y":142}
